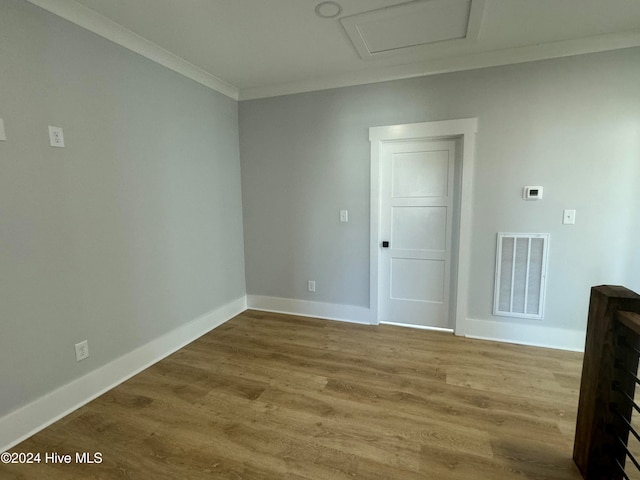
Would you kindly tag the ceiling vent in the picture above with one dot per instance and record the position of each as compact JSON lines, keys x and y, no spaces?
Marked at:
{"x":413,"y":27}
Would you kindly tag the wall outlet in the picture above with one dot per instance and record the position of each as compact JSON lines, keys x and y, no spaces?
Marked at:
{"x":82,"y":350}
{"x":311,"y":286}
{"x":56,"y":137}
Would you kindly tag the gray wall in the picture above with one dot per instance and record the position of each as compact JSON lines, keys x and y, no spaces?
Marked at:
{"x":571,"y":125}
{"x":133,"y":229}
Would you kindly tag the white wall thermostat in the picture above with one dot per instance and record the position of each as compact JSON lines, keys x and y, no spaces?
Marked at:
{"x":532,"y":193}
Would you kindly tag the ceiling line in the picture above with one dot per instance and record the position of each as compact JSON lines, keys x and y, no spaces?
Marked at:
{"x":106,"y":28}
{"x":474,"y":61}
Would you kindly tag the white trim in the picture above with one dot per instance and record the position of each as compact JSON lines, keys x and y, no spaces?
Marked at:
{"x":525,"y":334}
{"x":374,"y":229}
{"x":465,"y":129}
{"x":103,"y":26}
{"x":30,"y":419}
{"x":419,"y":327}
{"x":436,"y":66}
{"x":306,"y":308}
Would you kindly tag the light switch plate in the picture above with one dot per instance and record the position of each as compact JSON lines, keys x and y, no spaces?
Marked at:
{"x":569,"y":217}
{"x":344,"y":215}
{"x":56,"y":137}
{"x":3,"y":136}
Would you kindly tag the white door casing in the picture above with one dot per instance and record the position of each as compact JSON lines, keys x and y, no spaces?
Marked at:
{"x":416,"y":213}
{"x":462,"y":131}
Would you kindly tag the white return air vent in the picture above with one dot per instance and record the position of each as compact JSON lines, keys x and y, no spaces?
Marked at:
{"x":521,"y":272}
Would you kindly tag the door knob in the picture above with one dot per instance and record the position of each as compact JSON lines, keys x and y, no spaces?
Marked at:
{"x":385,"y":244}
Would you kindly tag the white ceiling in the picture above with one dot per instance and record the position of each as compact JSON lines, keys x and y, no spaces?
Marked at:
{"x":257,"y":48}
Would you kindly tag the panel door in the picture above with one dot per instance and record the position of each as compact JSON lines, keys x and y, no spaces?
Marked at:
{"x":416,"y":196}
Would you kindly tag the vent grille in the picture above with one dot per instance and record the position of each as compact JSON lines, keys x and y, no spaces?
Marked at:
{"x":521,"y":270}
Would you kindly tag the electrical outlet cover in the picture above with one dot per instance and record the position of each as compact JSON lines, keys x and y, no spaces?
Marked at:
{"x":56,"y":137}
{"x":82,"y":350}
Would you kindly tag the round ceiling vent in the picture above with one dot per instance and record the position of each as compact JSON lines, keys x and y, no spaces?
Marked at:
{"x":328,"y":10}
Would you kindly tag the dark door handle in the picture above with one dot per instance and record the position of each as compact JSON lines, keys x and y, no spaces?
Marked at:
{"x":385,"y":244}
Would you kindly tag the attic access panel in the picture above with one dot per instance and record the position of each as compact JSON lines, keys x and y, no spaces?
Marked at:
{"x":414,"y":27}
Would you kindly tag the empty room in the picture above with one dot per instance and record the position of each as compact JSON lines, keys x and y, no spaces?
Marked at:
{"x":304,"y":239}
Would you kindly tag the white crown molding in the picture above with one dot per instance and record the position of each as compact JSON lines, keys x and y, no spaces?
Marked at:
{"x":33,"y":417}
{"x":544,"y":51}
{"x":101,"y":25}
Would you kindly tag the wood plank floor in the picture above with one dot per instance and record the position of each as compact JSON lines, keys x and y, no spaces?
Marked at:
{"x":268,"y":396}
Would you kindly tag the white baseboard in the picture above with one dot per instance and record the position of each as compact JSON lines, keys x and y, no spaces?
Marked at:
{"x":525,"y":334}
{"x":305,"y":308}
{"x":30,"y":419}
{"x":419,"y":327}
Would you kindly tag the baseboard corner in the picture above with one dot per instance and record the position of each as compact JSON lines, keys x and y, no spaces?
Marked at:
{"x":26,"y":421}
{"x":306,"y":308}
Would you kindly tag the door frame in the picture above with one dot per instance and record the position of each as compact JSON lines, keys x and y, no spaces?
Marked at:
{"x":464,"y":130}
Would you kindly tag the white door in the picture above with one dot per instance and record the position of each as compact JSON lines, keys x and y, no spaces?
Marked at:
{"x":416,"y":211}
